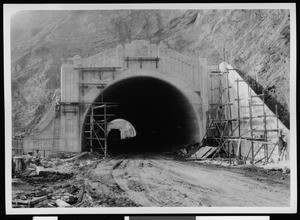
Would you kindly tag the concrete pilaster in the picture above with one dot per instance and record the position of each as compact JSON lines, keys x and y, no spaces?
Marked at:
{"x":120,"y":56}
{"x":161,"y":54}
{"x":66,"y":71}
{"x":77,"y":61}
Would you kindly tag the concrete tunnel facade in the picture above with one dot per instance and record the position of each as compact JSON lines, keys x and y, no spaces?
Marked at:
{"x":162,"y":93}
{"x":168,"y":104}
{"x":165,"y":95}
{"x":161,"y":111}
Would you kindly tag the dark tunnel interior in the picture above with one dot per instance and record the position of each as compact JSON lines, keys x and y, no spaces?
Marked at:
{"x":162,"y":116}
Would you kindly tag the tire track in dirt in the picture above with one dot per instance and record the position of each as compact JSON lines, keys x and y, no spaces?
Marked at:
{"x":168,"y":190}
{"x":144,"y":166}
{"x":155,"y":193}
{"x":187,"y":178}
{"x":125,"y":177}
{"x":226,"y":188}
{"x":160,"y":181}
{"x":103,"y":188}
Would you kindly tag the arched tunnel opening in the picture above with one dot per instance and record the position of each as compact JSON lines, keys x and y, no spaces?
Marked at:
{"x":163,"y":117}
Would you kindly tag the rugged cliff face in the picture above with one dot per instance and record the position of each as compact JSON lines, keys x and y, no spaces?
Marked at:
{"x":256,"y":43}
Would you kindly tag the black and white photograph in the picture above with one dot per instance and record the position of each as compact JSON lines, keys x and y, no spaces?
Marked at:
{"x":150,"y":108}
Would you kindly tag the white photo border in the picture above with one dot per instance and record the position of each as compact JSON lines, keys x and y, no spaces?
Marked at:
{"x":10,"y":9}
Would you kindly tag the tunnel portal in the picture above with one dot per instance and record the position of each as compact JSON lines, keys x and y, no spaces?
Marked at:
{"x":168,"y":97}
{"x":161,"y":114}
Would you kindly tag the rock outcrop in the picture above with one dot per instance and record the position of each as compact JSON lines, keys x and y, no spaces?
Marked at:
{"x":256,"y":43}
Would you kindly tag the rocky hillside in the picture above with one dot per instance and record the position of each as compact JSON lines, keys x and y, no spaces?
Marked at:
{"x":256,"y":43}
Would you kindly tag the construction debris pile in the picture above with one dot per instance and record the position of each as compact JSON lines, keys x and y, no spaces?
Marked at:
{"x":47,"y":182}
{"x":205,"y":153}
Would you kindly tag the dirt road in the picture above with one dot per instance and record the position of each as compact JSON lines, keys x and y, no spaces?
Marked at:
{"x":161,"y":181}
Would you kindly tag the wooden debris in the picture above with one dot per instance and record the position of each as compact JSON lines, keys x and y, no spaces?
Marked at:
{"x":76,"y":157}
{"x":50,"y":205}
{"x":20,"y":202}
{"x":19,"y":206}
{"x":17,"y":181}
{"x":37,"y":200}
{"x":18,"y":163}
{"x":61,"y":203}
{"x":69,"y":198}
{"x":29,"y":202}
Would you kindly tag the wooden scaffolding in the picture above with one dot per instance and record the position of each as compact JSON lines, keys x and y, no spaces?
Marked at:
{"x":95,"y":132}
{"x":95,"y":136}
{"x":224,"y":130}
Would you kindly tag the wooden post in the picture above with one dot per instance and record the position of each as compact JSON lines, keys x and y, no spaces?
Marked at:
{"x":250,"y":118}
{"x":228,"y":94}
{"x":277,"y":121}
{"x":265,"y":128}
{"x":91,"y":128}
{"x":238,"y":102}
{"x":238,"y":153}
{"x":105,"y":132}
{"x":229,"y":107}
{"x":277,"y":124}
{"x":229,"y":152}
{"x":211,"y":87}
{"x":220,"y":93}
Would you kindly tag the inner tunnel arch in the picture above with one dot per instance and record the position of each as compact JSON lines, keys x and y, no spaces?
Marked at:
{"x":163,"y":116}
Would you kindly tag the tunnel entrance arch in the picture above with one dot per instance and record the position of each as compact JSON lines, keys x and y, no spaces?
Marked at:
{"x":162,"y":114}
{"x":127,"y":130}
